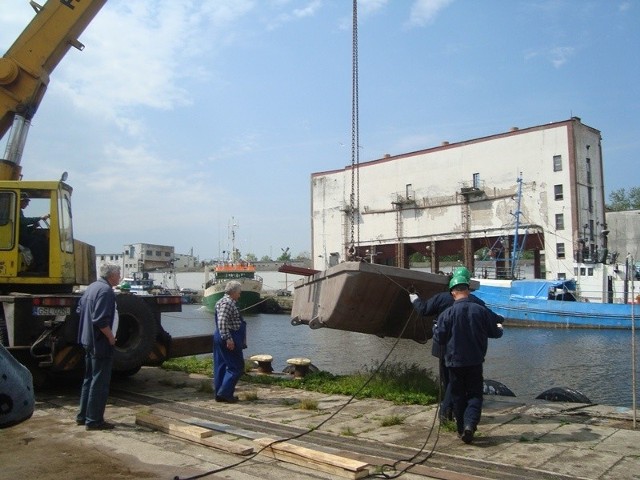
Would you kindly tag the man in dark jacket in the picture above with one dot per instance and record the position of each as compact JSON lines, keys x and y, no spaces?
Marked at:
{"x":463,"y":331}
{"x":97,"y":308}
{"x":434,"y":306}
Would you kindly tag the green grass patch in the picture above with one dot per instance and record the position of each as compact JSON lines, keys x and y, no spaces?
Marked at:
{"x":392,"y":420}
{"x":251,"y":396}
{"x":347,"y":432}
{"x":399,"y":383}
{"x":203,"y":366}
{"x":449,"y":426}
{"x":307,"y":404}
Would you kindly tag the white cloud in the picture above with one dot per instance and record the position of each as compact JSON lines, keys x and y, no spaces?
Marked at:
{"x":138,"y":190}
{"x":424,"y":12}
{"x":145,"y":54}
{"x":624,"y":6}
{"x":560,"y":55}
{"x":367,"y":7}
{"x":309,"y":10}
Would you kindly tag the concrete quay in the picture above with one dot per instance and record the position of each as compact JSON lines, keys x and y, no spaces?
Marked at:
{"x":515,"y":440}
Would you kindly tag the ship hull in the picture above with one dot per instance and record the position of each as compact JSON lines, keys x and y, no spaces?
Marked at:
{"x":249,"y":298}
{"x":522,"y":303}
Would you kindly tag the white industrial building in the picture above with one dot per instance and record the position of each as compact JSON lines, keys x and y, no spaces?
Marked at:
{"x":462,"y":198}
{"x":146,"y":257}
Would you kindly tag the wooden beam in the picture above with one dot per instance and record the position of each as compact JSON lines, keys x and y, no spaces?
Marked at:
{"x":189,"y":432}
{"x":314,"y":459}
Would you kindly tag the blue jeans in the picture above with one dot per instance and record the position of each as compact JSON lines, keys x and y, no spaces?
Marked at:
{"x":228,"y":365}
{"x":466,"y":394}
{"x":95,"y":388}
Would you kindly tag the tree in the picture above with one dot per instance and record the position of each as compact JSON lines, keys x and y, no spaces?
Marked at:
{"x":266,"y":258}
{"x":620,"y":200}
{"x":251,"y":257}
{"x":286,"y":255}
{"x":417,"y":257}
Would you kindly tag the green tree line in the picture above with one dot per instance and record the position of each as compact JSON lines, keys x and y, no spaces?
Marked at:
{"x":621,"y":199}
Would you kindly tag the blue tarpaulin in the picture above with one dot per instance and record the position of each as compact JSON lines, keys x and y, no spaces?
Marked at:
{"x":540,"y":288}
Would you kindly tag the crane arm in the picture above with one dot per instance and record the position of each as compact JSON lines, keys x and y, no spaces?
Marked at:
{"x":25,"y":68}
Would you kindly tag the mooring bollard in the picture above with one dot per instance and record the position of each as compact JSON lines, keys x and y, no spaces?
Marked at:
{"x":264,"y":363}
{"x":300,"y":366}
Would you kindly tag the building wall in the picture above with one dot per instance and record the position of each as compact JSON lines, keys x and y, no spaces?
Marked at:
{"x":145,"y":257}
{"x":468,"y":190}
{"x":625,"y":234}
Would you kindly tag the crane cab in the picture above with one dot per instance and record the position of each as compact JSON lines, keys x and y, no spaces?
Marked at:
{"x":38,"y":254}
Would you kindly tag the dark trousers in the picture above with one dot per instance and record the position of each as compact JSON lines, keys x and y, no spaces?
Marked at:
{"x":446,"y":404}
{"x":466,"y":394}
{"x":39,"y":246}
{"x":228,"y":365}
{"x":95,"y":389}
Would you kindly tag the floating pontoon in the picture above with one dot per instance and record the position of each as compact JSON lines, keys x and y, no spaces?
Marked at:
{"x":366,"y":298}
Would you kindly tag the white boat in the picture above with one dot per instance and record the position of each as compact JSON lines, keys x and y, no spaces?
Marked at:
{"x":142,"y":284}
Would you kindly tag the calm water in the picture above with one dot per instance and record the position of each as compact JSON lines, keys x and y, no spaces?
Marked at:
{"x":528,"y":361}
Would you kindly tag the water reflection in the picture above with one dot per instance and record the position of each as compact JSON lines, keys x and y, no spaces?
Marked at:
{"x":527,"y":360}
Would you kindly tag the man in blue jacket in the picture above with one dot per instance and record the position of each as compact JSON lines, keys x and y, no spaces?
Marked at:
{"x":434,"y":306}
{"x":463,"y":331}
{"x":97,"y":308}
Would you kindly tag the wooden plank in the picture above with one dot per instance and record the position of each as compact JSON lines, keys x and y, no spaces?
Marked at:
{"x":225,"y":445}
{"x":224,"y":428}
{"x":172,"y":426}
{"x":189,"y":432}
{"x":218,"y":427}
{"x":314,"y":459}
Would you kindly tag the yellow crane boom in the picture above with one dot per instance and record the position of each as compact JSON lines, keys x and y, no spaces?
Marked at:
{"x":26,"y":66}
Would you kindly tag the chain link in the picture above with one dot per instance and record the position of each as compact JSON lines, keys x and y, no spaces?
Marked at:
{"x":355,"y":140}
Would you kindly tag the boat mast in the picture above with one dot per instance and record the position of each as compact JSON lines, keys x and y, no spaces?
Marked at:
{"x":235,"y":257}
{"x":514,"y":251}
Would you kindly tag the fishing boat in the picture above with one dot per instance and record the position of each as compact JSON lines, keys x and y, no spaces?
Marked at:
{"x":366,"y":298}
{"x":141,"y":284}
{"x":558,"y":303}
{"x":234,"y":268}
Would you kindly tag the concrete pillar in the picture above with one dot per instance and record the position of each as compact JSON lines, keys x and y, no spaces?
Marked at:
{"x":435,"y":260}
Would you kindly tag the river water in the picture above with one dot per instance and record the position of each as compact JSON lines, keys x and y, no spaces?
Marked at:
{"x":527,"y":360}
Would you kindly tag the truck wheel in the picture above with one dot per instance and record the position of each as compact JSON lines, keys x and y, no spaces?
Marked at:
{"x":136,"y":333}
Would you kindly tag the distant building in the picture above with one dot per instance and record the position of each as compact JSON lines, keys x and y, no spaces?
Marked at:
{"x":624,"y":236}
{"x":108,"y":258}
{"x":462,"y":198}
{"x":147,"y":257}
{"x":185,"y":262}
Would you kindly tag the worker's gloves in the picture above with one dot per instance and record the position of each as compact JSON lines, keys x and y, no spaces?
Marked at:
{"x":413,"y":297}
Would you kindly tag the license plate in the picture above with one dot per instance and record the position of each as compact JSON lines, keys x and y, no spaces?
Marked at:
{"x":42,"y":311}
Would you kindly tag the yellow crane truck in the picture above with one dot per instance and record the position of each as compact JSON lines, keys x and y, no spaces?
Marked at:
{"x":42,"y":265}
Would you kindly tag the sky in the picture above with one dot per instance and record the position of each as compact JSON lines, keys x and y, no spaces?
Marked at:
{"x":180,"y":118}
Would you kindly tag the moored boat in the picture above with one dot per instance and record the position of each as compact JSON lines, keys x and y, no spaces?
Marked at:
{"x":141,"y":284}
{"x":234,"y":268}
{"x":243,"y":272}
{"x":601,"y":295}
{"x":557,"y":303}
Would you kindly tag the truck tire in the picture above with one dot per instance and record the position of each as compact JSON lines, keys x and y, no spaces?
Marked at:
{"x":563,"y":394}
{"x":136,"y":333}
